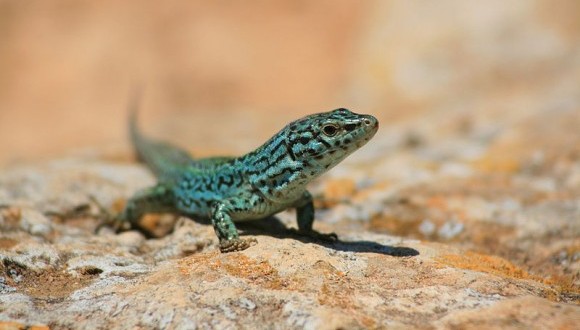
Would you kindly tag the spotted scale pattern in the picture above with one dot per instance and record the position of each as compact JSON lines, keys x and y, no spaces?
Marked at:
{"x":263,"y":182}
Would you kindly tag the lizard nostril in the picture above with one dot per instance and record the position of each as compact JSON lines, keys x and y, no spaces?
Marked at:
{"x":367,"y":122}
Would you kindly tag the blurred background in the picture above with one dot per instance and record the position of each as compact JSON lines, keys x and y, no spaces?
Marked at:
{"x":222,"y":76}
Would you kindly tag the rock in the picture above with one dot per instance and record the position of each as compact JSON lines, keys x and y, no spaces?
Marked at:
{"x":35,"y":223}
{"x":284,"y":281}
{"x":366,"y":280}
{"x":523,"y":312}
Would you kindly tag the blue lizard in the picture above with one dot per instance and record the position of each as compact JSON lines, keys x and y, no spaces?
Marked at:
{"x":268,"y":180}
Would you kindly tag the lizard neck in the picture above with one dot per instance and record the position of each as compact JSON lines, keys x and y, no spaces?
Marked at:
{"x":274,"y":169}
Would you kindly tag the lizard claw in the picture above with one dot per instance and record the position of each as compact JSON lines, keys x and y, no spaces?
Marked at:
{"x":236,"y":244}
{"x":330,"y":237}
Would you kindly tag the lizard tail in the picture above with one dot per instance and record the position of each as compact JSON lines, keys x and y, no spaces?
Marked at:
{"x":165,"y":160}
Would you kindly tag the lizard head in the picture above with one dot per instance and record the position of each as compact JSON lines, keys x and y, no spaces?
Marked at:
{"x":321,"y":141}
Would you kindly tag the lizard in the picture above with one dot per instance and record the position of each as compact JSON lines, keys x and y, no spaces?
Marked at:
{"x":261,"y":183}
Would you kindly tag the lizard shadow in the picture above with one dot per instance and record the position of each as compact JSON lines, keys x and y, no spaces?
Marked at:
{"x":275,"y":228}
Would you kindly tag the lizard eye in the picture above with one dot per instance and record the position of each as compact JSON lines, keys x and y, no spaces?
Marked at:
{"x":330,"y":129}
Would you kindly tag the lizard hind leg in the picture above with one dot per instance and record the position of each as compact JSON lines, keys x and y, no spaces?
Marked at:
{"x":156,"y":199}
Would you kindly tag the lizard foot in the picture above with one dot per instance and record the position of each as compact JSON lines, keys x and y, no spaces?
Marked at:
{"x":108,"y":219}
{"x":330,"y":237}
{"x":236,"y":244}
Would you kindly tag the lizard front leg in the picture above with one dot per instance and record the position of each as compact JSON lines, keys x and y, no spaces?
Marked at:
{"x":305,"y":217}
{"x":226,"y":230}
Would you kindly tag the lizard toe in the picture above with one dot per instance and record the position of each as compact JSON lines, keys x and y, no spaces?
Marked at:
{"x":330,"y":237}
{"x":236,"y":244}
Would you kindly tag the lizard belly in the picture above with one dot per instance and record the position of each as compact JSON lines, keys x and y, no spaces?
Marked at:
{"x":252,"y":205}
{"x":243,"y":204}
{"x":260,"y":210}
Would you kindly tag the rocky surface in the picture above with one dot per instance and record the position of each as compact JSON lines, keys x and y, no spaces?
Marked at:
{"x":458,"y":244}
{"x":462,"y":212}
